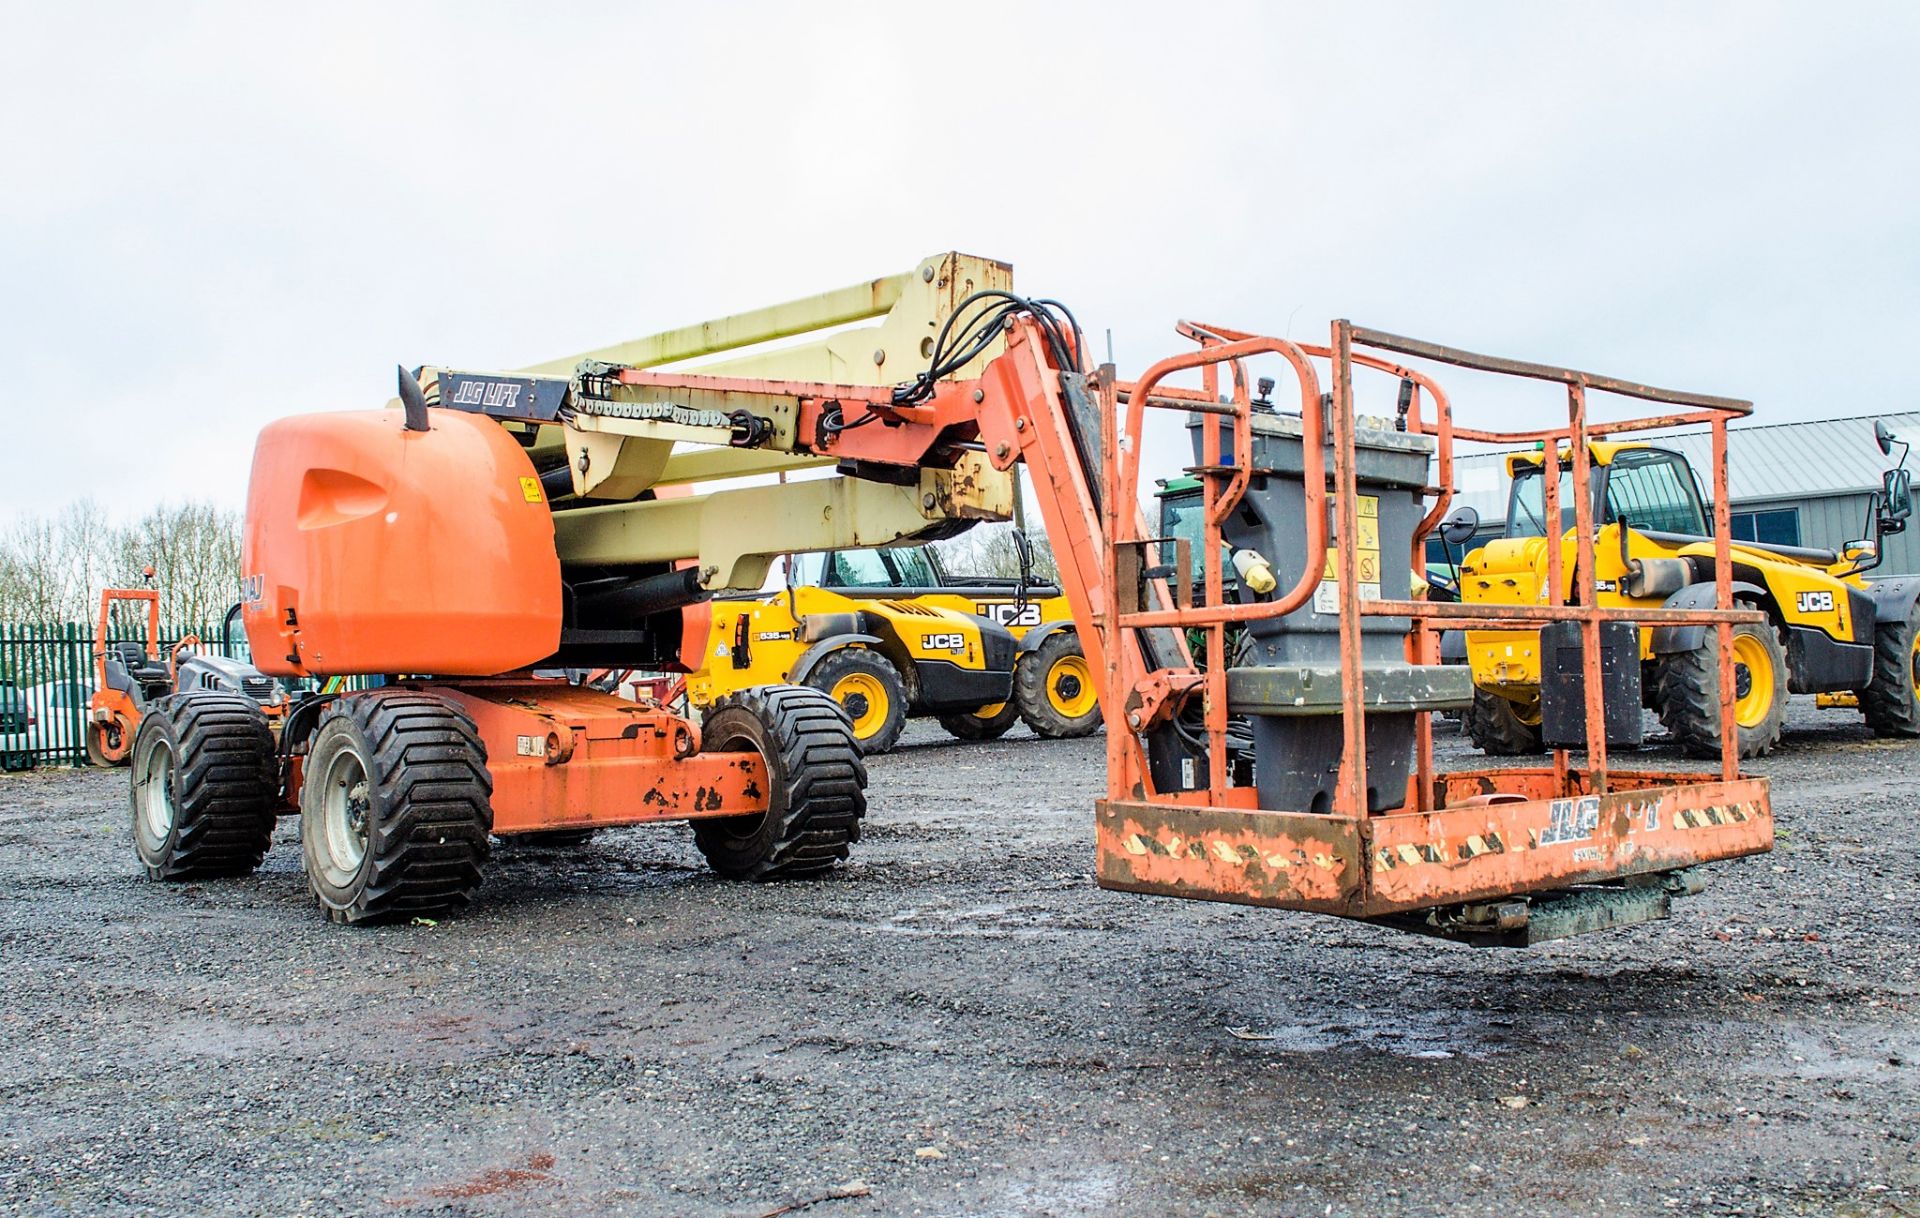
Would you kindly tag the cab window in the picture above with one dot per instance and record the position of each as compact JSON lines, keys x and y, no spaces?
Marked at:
{"x":802,"y":571}
{"x":858,"y":569}
{"x":1183,"y":515}
{"x":1527,"y":504}
{"x":1654,"y":490}
{"x":911,"y":567}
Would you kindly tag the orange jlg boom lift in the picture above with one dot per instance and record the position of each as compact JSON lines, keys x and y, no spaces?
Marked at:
{"x":498,"y":524}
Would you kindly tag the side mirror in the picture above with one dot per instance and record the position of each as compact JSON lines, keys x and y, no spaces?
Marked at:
{"x":1884,"y":437}
{"x":1460,"y":526}
{"x":1023,"y":549}
{"x":1864,"y":550}
{"x":1896,"y":492}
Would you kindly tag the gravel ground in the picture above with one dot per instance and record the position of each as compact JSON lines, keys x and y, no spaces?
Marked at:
{"x":958,"y":1023}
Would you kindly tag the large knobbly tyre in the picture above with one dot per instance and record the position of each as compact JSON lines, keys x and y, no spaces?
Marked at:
{"x":868,"y":687}
{"x":1689,"y":691}
{"x":204,"y":785}
{"x":1891,"y":701}
{"x":987,"y":723}
{"x":816,"y":778}
{"x":1054,"y":688}
{"x":1494,"y":725}
{"x":394,"y":809}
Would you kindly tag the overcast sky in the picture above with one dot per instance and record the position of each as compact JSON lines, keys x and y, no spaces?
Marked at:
{"x":213,"y":215}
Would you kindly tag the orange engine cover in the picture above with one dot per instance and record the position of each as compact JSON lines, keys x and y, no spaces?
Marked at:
{"x":373,"y":549}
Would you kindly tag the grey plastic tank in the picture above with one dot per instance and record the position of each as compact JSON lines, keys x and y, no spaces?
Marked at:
{"x":1287,"y":679}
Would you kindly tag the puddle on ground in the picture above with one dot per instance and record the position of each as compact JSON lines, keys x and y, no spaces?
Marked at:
{"x":1087,"y":1190}
{"x":977,"y":921}
{"x":1841,"y":1052}
{"x":1435,"y":1035}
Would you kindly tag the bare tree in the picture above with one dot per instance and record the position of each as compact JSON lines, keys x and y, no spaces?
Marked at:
{"x":42,"y":578}
{"x":194,"y":549}
{"x":53,"y":567}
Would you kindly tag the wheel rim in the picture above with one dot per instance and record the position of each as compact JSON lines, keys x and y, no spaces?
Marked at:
{"x":1527,"y":712}
{"x":865,"y":701}
{"x":156,"y":794}
{"x":988,"y":712}
{"x":1752,"y":681}
{"x":1070,"y":687}
{"x":1913,"y":667}
{"x":346,"y":804}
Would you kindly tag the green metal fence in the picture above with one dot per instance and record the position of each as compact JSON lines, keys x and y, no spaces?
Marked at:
{"x":46,"y":679}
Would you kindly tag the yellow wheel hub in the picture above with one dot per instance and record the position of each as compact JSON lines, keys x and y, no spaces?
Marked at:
{"x":865,"y":700}
{"x":1070,"y":687}
{"x":1913,"y":665}
{"x":1753,"y":681}
{"x":988,"y":712}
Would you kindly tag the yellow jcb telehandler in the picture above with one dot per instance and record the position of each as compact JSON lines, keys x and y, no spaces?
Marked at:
{"x":891,"y":633}
{"x":1829,"y":629}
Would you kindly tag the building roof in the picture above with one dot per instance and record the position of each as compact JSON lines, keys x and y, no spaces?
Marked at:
{"x":1765,"y":462}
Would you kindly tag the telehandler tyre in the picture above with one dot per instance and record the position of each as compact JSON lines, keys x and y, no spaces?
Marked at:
{"x":1891,"y":701}
{"x":394,"y":810}
{"x":987,"y":723}
{"x":868,"y":687}
{"x":1496,"y":727}
{"x":1054,"y":689}
{"x":816,"y":777}
{"x":203,"y":786}
{"x":1689,"y":691}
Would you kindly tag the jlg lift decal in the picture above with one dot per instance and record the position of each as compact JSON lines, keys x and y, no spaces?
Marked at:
{"x":487,"y":395}
{"x":1573,"y":820}
{"x":1569,"y":823}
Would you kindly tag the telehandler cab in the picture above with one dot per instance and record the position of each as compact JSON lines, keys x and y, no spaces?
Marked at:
{"x":499,"y":523}
{"x":1828,"y":629}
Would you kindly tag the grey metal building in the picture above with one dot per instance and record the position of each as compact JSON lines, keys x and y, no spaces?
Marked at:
{"x":1800,"y":484}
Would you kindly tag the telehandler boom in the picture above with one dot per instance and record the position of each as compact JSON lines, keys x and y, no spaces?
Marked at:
{"x":501,"y":523}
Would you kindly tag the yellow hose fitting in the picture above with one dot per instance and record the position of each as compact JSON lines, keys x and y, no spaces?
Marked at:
{"x":1255,"y":575}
